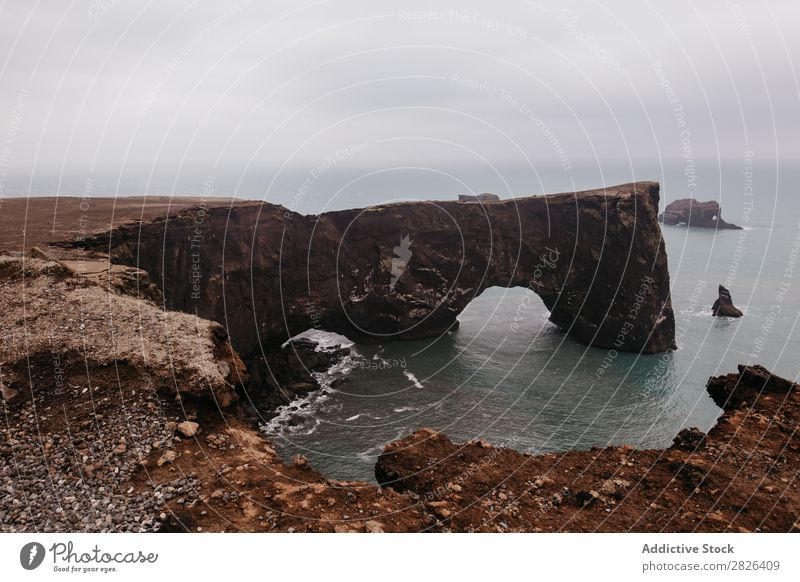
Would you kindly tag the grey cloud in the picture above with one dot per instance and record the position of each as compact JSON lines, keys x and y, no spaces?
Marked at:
{"x":207,"y":80}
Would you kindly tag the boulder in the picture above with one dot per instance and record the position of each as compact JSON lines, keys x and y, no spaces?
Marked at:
{"x":167,"y":458}
{"x":689,"y":439}
{"x":188,"y":429}
{"x":9,"y":395}
{"x":373,"y":526}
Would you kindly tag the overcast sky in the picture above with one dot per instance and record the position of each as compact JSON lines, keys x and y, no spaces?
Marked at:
{"x":110,"y":83}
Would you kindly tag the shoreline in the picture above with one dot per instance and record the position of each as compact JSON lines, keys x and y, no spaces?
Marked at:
{"x":126,"y":459}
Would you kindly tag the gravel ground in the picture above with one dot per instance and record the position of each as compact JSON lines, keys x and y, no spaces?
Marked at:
{"x":58,"y":474}
{"x":83,"y":361}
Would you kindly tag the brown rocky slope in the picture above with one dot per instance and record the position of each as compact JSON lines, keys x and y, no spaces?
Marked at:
{"x":740,"y":477}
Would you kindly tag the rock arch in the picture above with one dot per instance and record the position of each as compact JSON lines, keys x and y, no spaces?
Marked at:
{"x":405,"y":271}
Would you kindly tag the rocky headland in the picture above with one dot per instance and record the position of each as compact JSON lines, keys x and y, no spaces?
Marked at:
{"x":122,"y":414}
{"x":691,"y":212}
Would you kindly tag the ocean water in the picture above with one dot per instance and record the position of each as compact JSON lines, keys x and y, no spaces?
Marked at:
{"x":531,"y":387}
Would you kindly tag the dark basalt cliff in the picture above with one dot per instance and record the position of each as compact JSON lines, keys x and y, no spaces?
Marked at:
{"x":405,"y":271}
{"x":692,"y":212}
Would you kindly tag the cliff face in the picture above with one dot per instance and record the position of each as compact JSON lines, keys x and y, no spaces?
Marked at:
{"x":405,"y":271}
{"x":692,"y":212}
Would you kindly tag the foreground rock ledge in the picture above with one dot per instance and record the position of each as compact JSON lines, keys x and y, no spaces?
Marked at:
{"x":405,"y":271}
{"x":64,"y":319}
{"x":740,"y":477}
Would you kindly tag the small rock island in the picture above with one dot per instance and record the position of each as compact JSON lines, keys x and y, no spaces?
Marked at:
{"x":691,"y":212}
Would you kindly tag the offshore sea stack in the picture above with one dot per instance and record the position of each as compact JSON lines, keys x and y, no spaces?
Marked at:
{"x":691,"y":212}
{"x":406,"y":271}
{"x":723,"y":306}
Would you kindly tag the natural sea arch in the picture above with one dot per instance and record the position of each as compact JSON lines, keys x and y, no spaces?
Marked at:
{"x":407,"y":270}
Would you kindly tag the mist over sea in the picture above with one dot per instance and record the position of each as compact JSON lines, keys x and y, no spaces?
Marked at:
{"x":338,"y":181}
{"x":528,"y":385}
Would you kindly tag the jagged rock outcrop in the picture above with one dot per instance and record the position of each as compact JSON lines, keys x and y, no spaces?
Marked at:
{"x":723,"y":306}
{"x":405,"y":271}
{"x":740,"y":477}
{"x":753,"y":383}
{"x":64,"y":320}
{"x":485,"y":197}
{"x":691,"y":212}
{"x":292,"y":371}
